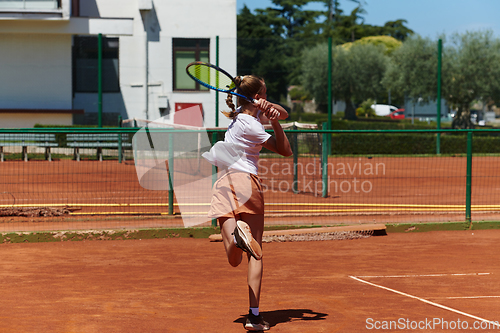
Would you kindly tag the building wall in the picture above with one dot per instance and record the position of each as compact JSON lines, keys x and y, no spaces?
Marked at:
{"x":168,"y":19}
{"x":425,"y":110}
{"x":36,"y":56}
{"x":36,"y":71}
{"x":28,"y":120}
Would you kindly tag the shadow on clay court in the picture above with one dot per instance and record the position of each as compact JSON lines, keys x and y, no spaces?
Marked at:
{"x":288,"y":315}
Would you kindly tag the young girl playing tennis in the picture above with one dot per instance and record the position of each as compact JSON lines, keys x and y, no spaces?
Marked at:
{"x":238,"y":201}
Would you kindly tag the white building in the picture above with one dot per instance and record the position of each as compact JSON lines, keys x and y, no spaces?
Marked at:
{"x":48,"y":52}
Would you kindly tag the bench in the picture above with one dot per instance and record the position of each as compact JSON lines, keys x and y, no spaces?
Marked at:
{"x":99,"y":141}
{"x":28,"y":139}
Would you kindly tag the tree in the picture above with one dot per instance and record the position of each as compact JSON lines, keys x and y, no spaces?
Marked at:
{"x":474,"y":62}
{"x":356,"y":74}
{"x":259,"y":41}
{"x":251,"y":30}
{"x":412,"y":71}
{"x":253,"y":26}
{"x":389,"y":43}
{"x":314,"y":74}
{"x":288,"y":19}
{"x":348,"y":28}
{"x":396,"y":29}
{"x":271,"y":41}
{"x":470,"y":68}
{"x":334,"y":12}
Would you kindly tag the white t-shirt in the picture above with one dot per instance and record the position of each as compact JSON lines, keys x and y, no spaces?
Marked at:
{"x":247,"y":132}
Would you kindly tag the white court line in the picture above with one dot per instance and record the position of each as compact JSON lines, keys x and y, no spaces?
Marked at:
{"x":466,"y":297}
{"x":425,"y":301}
{"x":419,"y":275}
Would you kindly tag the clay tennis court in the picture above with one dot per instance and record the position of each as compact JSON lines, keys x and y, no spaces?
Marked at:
{"x":186,"y":285}
{"x":361,"y":190}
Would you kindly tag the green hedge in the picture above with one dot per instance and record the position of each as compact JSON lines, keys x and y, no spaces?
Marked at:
{"x":314,"y":118}
{"x":70,"y":126}
{"x":378,"y":123}
{"x":408,"y":144}
{"x":399,"y":143}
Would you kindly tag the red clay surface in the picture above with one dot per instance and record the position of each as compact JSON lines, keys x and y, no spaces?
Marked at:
{"x":186,"y":285}
{"x":361,"y":190}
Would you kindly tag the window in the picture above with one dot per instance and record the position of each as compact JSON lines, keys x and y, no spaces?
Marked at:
{"x":32,"y":4}
{"x":185,"y":51}
{"x":85,"y":66}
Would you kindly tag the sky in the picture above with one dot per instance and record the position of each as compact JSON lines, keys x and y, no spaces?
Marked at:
{"x":428,"y":18}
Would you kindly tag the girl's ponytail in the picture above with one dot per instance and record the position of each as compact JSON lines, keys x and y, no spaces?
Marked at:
{"x":229,"y":101}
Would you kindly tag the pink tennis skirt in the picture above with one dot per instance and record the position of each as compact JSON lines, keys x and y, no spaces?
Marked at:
{"x":245,"y":187}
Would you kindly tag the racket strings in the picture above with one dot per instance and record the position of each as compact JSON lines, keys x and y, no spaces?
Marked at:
{"x":211,"y":77}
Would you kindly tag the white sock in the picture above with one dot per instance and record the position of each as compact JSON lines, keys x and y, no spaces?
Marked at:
{"x":234,"y":238}
{"x":255,"y":311}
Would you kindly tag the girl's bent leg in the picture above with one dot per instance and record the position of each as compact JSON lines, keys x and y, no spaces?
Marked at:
{"x":234,"y":254}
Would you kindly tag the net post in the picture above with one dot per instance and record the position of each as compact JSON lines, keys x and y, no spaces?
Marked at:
{"x":214,"y":172}
{"x":295,"y":151}
{"x":324,"y":160}
{"x":468,"y":194}
{"x":170,"y":174}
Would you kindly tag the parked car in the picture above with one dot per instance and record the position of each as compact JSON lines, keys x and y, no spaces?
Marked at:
{"x":383,"y":109}
{"x":398,"y":114}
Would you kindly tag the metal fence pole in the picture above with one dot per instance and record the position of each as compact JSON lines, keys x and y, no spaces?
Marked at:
{"x":119,"y":140}
{"x":330,"y":96}
{"x":324,"y":167}
{"x":120,"y":148}
{"x":438,"y":119}
{"x":214,"y":173}
{"x":468,"y":185}
{"x":217,"y":81}
{"x":295,"y":151}
{"x":170,"y":174}
{"x":99,"y":80}
{"x":330,"y":99}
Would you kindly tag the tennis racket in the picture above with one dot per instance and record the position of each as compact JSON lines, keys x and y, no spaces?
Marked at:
{"x":214,"y":77}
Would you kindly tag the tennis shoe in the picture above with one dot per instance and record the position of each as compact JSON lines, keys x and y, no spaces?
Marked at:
{"x":256,"y":323}
{"x":245,"y":240}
